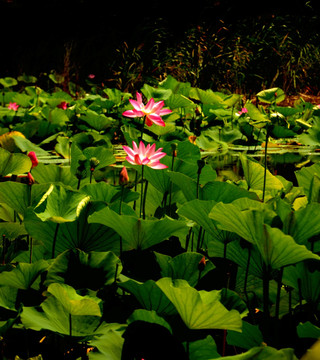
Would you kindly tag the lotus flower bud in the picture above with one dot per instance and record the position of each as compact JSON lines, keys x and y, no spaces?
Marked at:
{"x":34,"y":160}
{"x":123,"y":176}
{"x":94,"y":162}
{"x":202,"y":264}
{"x":30,"y":179}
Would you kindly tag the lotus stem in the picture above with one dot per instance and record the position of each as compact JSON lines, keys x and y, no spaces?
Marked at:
{"x":173,"y":147}
{"x":277,"y":310}
{"x":30,"y":242}
{"x":3,"y":250}
{"x":55,"y":240}
{"x":142,"y":128}
{"x":199,"y":238}
{"x":265,"y":165}
{"x":188,"y":238}
{"x":141,"y":194}
{"x":144,"y":200}
{"x":265,"y":281}
{"x":201,"y":164}
{"x":135,"y":189}
{"x":246,"y":277}
{"x":120,"y":211}
{"x":224,"y":343}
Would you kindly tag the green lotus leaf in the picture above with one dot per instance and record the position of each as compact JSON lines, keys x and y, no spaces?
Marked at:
{"x":199,"y":309}
{"x":308,"y":330}
{"x":97,"y":121}
{"x":76,"y":234}
{"x":14,"y":164}
{"x":23,"y":275}
{"x":198,"y":211}
{"x":250,"y":337}
{"x":19,"y":196}
{"x":306,"y":175}
{"x":54,"y":315}
{"x":60,"y":204}
{"x":149,"y":316}
{"x":203,"y":349}
{"x":109,"y":342}
{"x":212,"y":190}
{"x":137,"y":233}
{"x":263,"y":353}
{"x":74,"y":303}
{"x":8,"y":81}
{"x":302,"y":279}
{"x":258,"y":118}
{"x":271,"y":96}
{"x":184,"y":266}
{"x":149,"y":296}
{"x":52,"y":173}
{"x":276,"y":248}
{"x":254,"y":175}
{"x":8,"y":297}
{"x":303,"y":223}
{"x":82,"y":270}
{"x":26,"y":145}
{"x":246,"y":223}
{"x":206,"y":96}
{"x":107,"y":193}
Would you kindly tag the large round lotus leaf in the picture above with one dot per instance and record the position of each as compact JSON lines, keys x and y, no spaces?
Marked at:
{"x":13,"y":164}
{"x":199,"y":309}
{"x":61,"y":204}
{"x":83,"y":270}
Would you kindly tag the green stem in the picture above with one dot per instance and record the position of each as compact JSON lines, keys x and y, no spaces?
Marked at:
{"x":277,"y":310}
{"x":79,"y":181}
{"x":170,"y":186}
{"x":188,"y":238}
{"x":141,"y":195}
{"x":265,"y":281}
{"x":3,"y":250}
{"x":30,"y":241}
{"x":120,"y":211}
{"x":135,"y":189}
{"x":199,"y":238}
{"x":144,"y":200}
{"x":265,"y":165}
{"x":246,"y":277}
{"x":54,"y":241}
{"x":142,"y":128}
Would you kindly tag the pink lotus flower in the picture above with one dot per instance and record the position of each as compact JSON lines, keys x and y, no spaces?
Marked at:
{"x":152,"y":111}
{"x":63,"y":105}
{"x":34,"y":160}
{"x":13,"y":106}
{"x":243,"y":111}
{"x":143,"y":155}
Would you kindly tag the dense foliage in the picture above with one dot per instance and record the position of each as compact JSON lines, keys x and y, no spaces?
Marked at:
{"x":175,"y":256}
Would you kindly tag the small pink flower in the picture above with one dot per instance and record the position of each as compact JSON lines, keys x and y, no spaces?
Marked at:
{"x":63,"y":105}
{"x":243,"y":111}
{"x":34,"y":160}
{"x":13,"y":106}
{"x":143,"y":155}
{"x":152,"y":111}
{"x":91,"y":76}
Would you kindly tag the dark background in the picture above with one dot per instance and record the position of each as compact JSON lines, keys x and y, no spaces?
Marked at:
{"x":34,"y":34}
